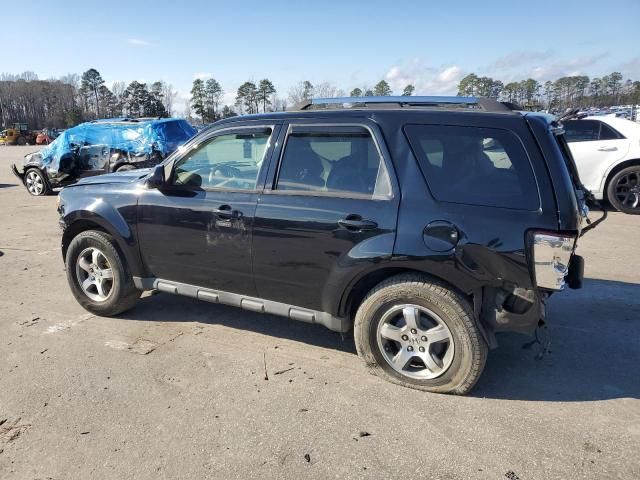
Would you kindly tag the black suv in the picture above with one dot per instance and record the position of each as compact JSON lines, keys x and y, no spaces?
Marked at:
{"x":427,"y":224}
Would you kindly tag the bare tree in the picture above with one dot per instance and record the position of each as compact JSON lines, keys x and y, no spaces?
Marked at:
{"x":327,"y":90}
{"x":169,"y":95}
{"x":300,"y":92}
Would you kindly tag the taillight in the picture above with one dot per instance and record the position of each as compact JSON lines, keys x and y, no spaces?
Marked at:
{"x":551,"y":256}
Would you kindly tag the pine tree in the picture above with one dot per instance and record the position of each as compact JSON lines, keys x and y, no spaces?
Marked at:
{"x":382,"y":89}
{"x":265,"y":90}
{"x":198,"y":95}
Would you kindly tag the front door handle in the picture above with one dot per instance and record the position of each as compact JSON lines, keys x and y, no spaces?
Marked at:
{"x":225,"y":211}
{"x":356,"y":223}
{"x":607,"y":149}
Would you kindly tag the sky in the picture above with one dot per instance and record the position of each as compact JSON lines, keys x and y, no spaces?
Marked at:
{"x":430,"y":44}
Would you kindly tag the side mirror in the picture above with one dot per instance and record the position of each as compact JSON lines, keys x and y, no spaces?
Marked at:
{"x":156,"y":179}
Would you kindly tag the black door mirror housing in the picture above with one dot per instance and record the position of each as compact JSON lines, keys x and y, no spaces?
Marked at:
{"x":156,"y":179}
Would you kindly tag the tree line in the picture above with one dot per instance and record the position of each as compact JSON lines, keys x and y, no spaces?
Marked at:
{"x":255,"y":97}
{"x":577,"y":91}
{"x":67,"y":101}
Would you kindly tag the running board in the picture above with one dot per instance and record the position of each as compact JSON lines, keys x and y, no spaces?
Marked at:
{"x":252,"y":304}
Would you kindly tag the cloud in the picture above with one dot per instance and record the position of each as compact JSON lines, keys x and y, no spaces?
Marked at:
{"x":202,"y":75}
{"x":519,"y":58}
{"x":573,"y":66}
{"x":630,"y":69}
{"x":139,"y":43}
{"x":427,"y":80}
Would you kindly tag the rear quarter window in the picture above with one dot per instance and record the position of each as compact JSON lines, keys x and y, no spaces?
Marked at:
{"x":474,"y":165}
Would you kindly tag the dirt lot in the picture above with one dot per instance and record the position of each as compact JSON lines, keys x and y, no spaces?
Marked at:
{"x":176,"y":388}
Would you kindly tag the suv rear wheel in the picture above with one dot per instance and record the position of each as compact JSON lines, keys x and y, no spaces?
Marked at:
{"x":97,"y":274}
{"x":420,"y":334}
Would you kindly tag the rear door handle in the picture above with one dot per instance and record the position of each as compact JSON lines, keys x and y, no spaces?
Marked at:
{"x":225,"y":211}
{"x":607,"y":149}
{"x":356,"y":223}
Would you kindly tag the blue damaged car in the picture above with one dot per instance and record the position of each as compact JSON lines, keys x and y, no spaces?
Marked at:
{"x":101,"y":146}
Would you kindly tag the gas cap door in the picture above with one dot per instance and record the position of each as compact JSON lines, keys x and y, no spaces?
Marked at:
{"x":441,"y":236}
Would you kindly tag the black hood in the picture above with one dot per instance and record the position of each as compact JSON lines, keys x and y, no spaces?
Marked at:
{"x":118,"y":177}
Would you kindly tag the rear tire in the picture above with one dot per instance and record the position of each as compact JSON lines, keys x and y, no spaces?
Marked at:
{"x":444,"y":352}
{"x":21,"y":141}
{"x":623,"y":191}
{"x":98,"y":276}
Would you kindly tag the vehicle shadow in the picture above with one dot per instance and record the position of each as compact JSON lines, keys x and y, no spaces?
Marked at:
{"x":171,"y":308}
{"x":7,"y":185}
{"x":594,"y":352}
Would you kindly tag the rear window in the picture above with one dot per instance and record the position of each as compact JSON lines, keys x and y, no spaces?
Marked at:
{"x":176,"y":131}
{"x":475,"y":166}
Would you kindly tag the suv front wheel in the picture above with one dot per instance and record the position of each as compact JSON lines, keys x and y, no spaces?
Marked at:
{"x":420,"y":334}
{"x":97,"y":274}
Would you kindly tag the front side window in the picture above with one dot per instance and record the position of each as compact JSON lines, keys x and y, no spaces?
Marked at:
{"x":341,"y":162}
{"x":475,"y":166}
{"x":229,"y":161}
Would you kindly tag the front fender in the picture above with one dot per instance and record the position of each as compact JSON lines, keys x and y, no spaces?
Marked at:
{"x":98,"y":213}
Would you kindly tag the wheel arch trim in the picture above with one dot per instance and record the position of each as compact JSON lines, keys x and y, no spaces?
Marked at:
{"x":108,"y":220}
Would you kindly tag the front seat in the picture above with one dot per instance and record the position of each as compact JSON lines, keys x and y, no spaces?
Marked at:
{"x":352,"y":173}
{"x":302,"y":168}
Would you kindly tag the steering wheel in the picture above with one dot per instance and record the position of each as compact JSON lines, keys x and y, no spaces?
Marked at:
{"x":225,"y":172}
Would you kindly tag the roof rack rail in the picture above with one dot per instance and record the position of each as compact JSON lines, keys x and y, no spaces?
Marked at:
{"x":480,"y":103}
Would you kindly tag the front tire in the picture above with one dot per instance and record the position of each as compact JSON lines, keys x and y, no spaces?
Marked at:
{"x":97,"y":274}
{"x":623,"y":191}
{"x":420,"y":334}
{"x":36,"y":183}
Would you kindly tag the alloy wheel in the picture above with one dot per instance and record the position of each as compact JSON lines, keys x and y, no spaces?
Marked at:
{"x":94,"y":274}
{"x":415,"y":342}
{"x":627,"y":190}
{"x":35,"y":184}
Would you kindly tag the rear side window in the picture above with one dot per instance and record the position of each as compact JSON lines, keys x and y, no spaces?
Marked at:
{"x":581,"y":130}
{"x":608,"y":133}
{"x":475,"y":166}
{"x":336,"y":161}
{"x":588,"y":130}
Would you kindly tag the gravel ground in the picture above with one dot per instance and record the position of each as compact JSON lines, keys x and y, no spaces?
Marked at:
{"x":176,"y":388}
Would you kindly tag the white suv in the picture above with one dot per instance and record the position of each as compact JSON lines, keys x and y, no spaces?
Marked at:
{"x":606,"y":150}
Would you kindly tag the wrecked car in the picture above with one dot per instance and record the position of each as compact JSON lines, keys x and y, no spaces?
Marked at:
{"x":101,"y":146}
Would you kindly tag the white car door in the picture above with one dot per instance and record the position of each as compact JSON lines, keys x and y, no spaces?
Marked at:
{"x":595,"y":147}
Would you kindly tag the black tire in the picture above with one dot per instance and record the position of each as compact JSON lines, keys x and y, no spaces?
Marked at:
{"x":123,"y":293}
{"x":21,"y":141}
{"x":623,"y":190}
{"x":125,"y":168}
{"x":470,"y":350}
{"x":36,"y":182}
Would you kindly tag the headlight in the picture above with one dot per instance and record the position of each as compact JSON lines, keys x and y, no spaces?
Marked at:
{"x":551,"y":256}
